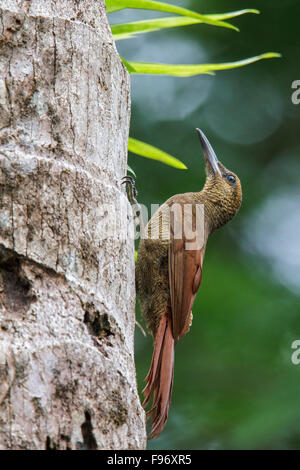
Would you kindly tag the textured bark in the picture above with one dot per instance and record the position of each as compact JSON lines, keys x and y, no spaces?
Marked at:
{"x":67,"y":375}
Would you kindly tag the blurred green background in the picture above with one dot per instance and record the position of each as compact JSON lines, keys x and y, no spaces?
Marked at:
{"x":235,"y":385}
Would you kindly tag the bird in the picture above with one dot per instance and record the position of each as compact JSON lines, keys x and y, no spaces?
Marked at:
{"x":169,"y":271}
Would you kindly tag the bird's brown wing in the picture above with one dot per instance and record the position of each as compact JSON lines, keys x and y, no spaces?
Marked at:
{"x":185,"y":267}
{"x":185,"y":273}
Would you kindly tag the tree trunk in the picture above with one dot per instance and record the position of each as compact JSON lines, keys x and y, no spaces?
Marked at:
{"x":67,"y":298}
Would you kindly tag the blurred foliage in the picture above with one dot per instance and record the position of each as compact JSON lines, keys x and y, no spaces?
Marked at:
{"x":167,"y":7}
{"x":235,"y":386}
{"x":186,"y":17}
{"x":145,"y":150}
{"x":186,"y":70}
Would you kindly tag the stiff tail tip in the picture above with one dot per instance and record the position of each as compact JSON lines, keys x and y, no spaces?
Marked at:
{"x":160,"y":377}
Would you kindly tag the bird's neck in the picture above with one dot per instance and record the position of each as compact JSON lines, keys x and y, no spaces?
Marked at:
{"x":218,"y":209}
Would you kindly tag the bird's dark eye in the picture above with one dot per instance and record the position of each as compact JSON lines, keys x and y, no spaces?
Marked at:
{"x":231,"y":179}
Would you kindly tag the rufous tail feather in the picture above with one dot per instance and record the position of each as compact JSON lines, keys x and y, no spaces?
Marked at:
{"x":160,"y":377}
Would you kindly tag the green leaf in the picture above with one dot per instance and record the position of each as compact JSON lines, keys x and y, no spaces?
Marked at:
{"x":162,"y":69}
{"x":128,"y":30}
{"x":128,"y":65}
{"x":232,"y":14}
{"x":190,"y":70}
{"x":115,"y":5}
{"x":148,"y":151}
{"x":130,"y":170}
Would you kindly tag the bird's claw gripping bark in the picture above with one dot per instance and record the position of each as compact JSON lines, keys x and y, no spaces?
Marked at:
{"x":132,"y":191}
{"x":132,"y":194}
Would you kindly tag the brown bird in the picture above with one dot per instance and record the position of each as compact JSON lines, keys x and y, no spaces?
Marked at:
{"x":169,"y":271}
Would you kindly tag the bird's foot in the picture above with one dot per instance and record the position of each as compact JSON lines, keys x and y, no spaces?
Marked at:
{"x":132,"y":194}
{"x":132,"y":191}
{"x":188,"y":326}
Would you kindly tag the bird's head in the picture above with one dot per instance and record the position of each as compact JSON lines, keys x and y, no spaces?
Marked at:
{"x":222,"y":189}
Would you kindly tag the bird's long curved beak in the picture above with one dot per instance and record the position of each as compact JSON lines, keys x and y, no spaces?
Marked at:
{"x":209,"y":153}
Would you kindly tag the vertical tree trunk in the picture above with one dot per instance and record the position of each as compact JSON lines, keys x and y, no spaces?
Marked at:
{"x":67,"y":375}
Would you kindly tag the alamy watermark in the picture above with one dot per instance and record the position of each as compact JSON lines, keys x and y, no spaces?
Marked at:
{"x":177,"y":221}
{"x":296,"y":94}
{"x":295,"y":358}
